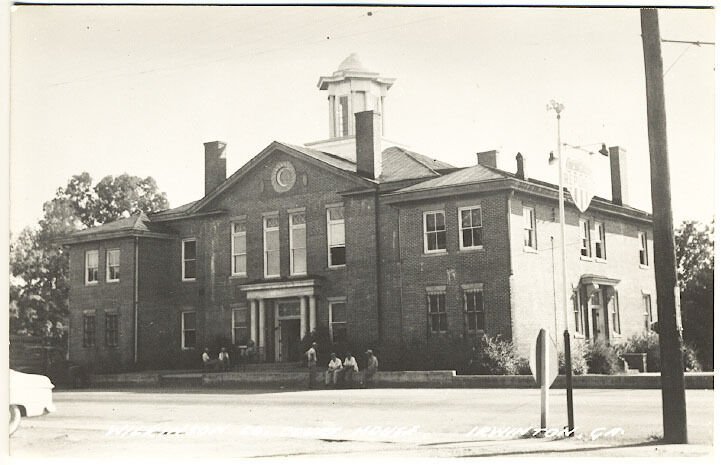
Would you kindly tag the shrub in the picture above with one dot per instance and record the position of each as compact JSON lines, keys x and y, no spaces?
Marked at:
{"x":603,"y":358}
{"x":496,"y":356}
{"x":524,"y":368}
{"x":690,"y":359}
{"x":648,"y":343}
{"x":579,"y":352}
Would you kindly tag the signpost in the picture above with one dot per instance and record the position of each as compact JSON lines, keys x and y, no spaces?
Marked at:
{"x":544,"y":366}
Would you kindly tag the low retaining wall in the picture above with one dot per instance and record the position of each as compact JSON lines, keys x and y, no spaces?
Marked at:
{"x":400,"y":379}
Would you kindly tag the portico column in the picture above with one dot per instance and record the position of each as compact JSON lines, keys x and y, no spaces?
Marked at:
{"x":311,"y":300}
{"x":254,"y":321}
{"x":261,"y":329}
{"x":303,"y":317}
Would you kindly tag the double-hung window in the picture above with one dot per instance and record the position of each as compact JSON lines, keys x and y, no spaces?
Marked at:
{"x":338,"y":321}
{"x":89,"y":329}
{"x":189,"y":259}
{"x":599,"y":241}
{"x":298,"y":264}
{"x":578,"y":319}
{"x":187,"y":330}
{"x":475,"y":314}
{"x":642,"y":249}
{"x":111,"y":329}
{"x":91,"y":267}
{"x":585,"y":229}
{"x":437,"y":316}
{"x":647,"y":315}
{"x":239,"y":325}
{"x":434,"y":231}
{"x":112,"y":266}
{"x":470,"y":230}
{"x":238,"y":248}
{"x":271,"y":246}
{"x":614,"y":314}
{"x":529,"y":227}
{"x":336,"y":236}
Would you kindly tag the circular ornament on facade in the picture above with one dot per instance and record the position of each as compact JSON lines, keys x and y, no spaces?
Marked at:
{"x":283,"y":177}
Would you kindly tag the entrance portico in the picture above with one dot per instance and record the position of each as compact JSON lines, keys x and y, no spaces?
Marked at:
{"x":600,"y":308}
{"x":281,"y":314}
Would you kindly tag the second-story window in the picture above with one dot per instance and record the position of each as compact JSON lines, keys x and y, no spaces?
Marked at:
{"x":298,"y":264}
{"x":91,"y":267}
{"x":585,"y":230}
{"x":470,"y":227}
{"x":112,"y":265}
{"x":434,"y":232}
{"x":189,"y":259}
{"x":529,"y":227}
{"x":336,"y":236}
{"x":271,"y":246}
{"x":599,"y":242}
{"x":643,"y":249}
{"x":238,"y":248}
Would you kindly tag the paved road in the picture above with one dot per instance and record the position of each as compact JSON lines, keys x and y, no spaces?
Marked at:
{"x":395,"y":422}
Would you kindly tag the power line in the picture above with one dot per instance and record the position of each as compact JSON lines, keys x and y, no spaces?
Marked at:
{"x":697,"y":43}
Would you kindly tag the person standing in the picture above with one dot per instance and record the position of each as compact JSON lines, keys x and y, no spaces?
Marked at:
{"x":224,"y":358}
{"x":312,"y":357}
{"x":371,"y":369}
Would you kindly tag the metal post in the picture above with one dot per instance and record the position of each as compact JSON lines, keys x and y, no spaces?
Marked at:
{"x":664,"y":254}
{"x":558,"y":108}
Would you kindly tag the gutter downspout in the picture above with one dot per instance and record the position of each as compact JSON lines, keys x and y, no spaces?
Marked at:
{"x":379,"y":280}
{"x":400,"y":275}
{"x":135,"y":305}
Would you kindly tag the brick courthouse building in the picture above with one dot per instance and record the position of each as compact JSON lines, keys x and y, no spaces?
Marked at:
{"x":383,"y":246}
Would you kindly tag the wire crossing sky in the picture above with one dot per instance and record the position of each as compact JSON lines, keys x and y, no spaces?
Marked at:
{"x":114,"y":89}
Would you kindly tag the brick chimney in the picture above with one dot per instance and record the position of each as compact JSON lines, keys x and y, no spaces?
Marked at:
{"x":214,"y":165}
{"x":619,"y":186}
{"x":488,"y":158}
{"x":520,"y":169}
{"x":368,"y":143}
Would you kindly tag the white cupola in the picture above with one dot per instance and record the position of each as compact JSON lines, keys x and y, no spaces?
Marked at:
{"x":352,"y":89}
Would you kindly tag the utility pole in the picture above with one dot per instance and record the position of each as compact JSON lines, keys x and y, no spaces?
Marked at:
{"x":664,"y":253}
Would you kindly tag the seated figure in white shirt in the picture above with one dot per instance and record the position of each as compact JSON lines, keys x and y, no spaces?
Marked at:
{"x":334,"y":367}
{"x":350,"y":366}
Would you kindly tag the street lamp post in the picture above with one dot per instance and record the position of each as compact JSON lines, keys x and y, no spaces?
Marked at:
{"x":558,"y":108}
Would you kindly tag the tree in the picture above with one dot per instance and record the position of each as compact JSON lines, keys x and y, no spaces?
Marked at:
{"x":695,"y":257}
{"x":38,"y":263}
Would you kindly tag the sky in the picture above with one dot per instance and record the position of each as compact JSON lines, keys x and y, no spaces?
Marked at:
{"x":138,"y":89}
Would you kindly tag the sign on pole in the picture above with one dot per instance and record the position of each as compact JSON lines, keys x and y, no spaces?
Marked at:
{"x":578,"y":178}
{"x":543,"y":361}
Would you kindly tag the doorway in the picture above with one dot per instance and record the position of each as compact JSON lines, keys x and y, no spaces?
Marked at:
{"x":597,"y":308}
{"x":289,"y":341}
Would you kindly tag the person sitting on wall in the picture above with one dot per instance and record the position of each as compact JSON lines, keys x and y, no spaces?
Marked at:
{"x":335,"y":366}
{"x":250,"y":351}
{"x":209,"y":363}
{"x":370,"y":370}
{"x":224,"y":359}
{"x":350,"y":366}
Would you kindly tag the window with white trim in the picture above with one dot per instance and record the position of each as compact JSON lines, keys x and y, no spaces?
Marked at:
{"x":238,"y":248}
{"x":578,"y":316}
{"x":338,"y":321}
{"x":187,"y":330}
{"x":599,"y":240}
{"x":336,"y":236}
{"x":647,"y":312}
{"x":239,"y":325}
{"x":298,"y":264}
{"x":112,"y":265}
{"x":475,"y":314}
{"x":189,"y":253}
{"x":89,"y":329}
{"x":437,"y":316}
{"x":585,"y":230}
{"x":112,"y":322}
{"x":470,"y":228}
{"x":271,"y":246}
{"x":643,"y":249}
{"x":529,"y":227}
{"x":343,"y":115}
{"x":91,"y":267}
{"x":434,"y":231}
